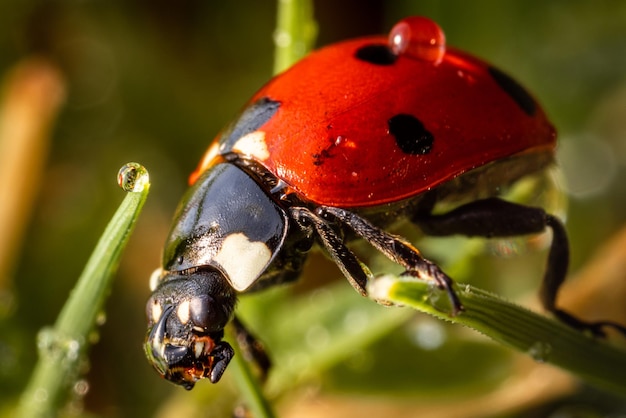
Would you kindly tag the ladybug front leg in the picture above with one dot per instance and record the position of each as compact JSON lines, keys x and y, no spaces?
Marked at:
{"x":494,"y":217}
{"x":355,"y":271}
{"x":395,"y":248}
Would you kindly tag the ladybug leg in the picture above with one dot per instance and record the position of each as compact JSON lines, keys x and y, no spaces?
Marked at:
{"x":396,"y":249}
{"x":252,"y":348}
{"x":497,"y":218}
{"x":355,"y":271}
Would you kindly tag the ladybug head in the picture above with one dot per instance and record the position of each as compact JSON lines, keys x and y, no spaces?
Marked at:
{"x":187,"y":314}
{"x":226,"y":233}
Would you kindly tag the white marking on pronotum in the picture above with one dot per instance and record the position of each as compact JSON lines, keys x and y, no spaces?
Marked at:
{"x":242,"y":260}
{"x":253,"y":145}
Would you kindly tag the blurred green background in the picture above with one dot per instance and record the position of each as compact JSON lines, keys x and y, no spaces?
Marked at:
{"x":154,"y":81}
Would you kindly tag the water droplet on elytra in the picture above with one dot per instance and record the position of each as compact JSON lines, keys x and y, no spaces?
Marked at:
{"x":418,"y":37}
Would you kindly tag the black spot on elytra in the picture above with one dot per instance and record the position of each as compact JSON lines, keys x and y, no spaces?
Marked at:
{"x":377,"y":54}
{"x":251,"y":119}
{"x":411,"y":135}
{"x":320,"y":157}
{"x":515,"y":91}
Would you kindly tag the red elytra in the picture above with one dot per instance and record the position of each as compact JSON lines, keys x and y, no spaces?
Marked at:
{"x":330,"y":139}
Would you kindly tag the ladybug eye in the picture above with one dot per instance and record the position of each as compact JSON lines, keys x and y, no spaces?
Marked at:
{"x":418,"y":37}
{"x":205,"y":315}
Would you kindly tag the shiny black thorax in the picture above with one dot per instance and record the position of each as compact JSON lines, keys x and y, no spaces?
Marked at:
{"x":227,"y":200}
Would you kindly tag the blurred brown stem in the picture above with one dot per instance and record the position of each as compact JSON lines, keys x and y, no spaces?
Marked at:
{"x":32,"y":94}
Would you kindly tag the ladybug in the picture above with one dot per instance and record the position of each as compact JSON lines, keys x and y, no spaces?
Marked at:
{"x":336,"y":148}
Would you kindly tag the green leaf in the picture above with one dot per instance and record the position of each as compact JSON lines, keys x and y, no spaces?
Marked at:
{"x":542,"y":338}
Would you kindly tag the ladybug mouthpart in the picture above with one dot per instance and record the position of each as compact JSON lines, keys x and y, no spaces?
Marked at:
{"x":184,"y":362}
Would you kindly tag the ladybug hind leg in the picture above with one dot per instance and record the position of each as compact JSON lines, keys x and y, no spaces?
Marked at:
{"x":394,"y":247}
{"x":491,"y":218}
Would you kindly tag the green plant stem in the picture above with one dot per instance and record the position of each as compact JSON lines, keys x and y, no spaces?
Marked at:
{"x":544,"y":339}
{"x":62,"y":347}
{"x":295,"y":33}
{"x":247,"y":383}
